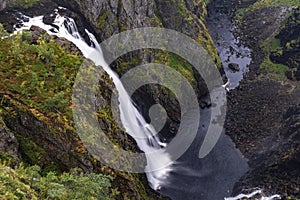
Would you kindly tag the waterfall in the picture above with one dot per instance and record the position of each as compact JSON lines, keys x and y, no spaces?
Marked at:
{"x":132,"y":120}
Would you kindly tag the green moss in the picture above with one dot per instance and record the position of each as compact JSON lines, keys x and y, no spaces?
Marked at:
{"x":40,"y":75}
{"x":206,"y":1}
{"x":240,"y":13}
{"x":275,"y":71}
{"x":266,"y":3}
{"x":274,"y":46}
{"x":102,"y":20}
{"x":274,"y":3}
{"x":135,"y":178}
{"x":24,"y":3}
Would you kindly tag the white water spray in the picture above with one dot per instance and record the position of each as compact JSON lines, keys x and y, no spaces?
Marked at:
{"x":253,"y":194}
{"x":132,"y":120}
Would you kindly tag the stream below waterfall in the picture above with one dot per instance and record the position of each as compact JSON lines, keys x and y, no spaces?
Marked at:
{"x":230,"y":50}
{"x":210,"y":178}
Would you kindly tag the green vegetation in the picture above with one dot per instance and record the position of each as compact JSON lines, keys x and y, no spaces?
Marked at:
{"x":27,"y":183}
{"x":24,"y":3}
{"x":273,"y":46}
{"x":41,"y":74}
{"x":274,"y":3}
{"x":37,"y":77}
{"x":274,"y":71}
{"x":266,"y":3}
{"x":179,"y":64}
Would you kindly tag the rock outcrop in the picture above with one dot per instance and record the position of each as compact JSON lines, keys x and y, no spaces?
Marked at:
{"x":110,"y":17}
{"x":8,"y":144}
{"x":263,"y":112}
{"x":45,"y":140}
{"x":46,"y":137}
{"x":288,"y":49}
{"x":106,"y":18}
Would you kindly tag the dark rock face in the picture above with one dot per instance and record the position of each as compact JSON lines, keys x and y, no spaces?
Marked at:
{"x":107,"y":18}
{"x":8,"y":143}
{"x":254,"y":31}
{"x":59,"y":148}
{"x":281,"y":163}
{"x":263,"y":114}
{"x":234,"y":67}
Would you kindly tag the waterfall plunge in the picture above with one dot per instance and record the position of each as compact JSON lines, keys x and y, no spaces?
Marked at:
{"x":132,"y":120}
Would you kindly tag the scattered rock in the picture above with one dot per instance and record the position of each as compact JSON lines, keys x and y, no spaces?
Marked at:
{"x":234,"y":67}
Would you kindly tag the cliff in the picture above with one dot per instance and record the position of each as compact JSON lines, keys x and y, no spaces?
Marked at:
{"x":107,"y":18}
{"x":263,"y":112}
{"x":38,"y":72}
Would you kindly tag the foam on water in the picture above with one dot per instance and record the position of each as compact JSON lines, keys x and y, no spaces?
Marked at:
{"x":248,"y":196}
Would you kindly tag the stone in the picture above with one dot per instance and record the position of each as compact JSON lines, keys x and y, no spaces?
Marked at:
{"x":234,"y":67}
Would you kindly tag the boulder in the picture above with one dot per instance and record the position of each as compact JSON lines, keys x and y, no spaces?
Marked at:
{"x":234,"y":67}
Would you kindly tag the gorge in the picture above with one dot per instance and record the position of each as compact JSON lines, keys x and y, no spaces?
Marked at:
{"x":214,"y":177}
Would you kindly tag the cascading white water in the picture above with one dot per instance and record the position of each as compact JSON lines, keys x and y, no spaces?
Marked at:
{"x":132,"y":120}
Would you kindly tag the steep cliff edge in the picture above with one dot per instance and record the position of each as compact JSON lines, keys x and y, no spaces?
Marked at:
{"x":37,"y":74}
{"x":35,"y":104}
{"x":114,"y":16}
{"x":263,"y":112}
{"x":106,"y":18}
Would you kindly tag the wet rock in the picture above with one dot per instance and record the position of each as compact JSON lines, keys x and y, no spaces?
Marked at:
{"x":36,"y":33}
{"x":49,"y":18}
{"x":289,"y":75}
{"x":234,"y":67}
{"x":8,"y":19}
{"x":80,"y":21}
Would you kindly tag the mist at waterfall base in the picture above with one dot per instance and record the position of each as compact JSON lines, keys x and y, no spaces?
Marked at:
{"x":212,"y":177}
{"x":131,"y":119}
